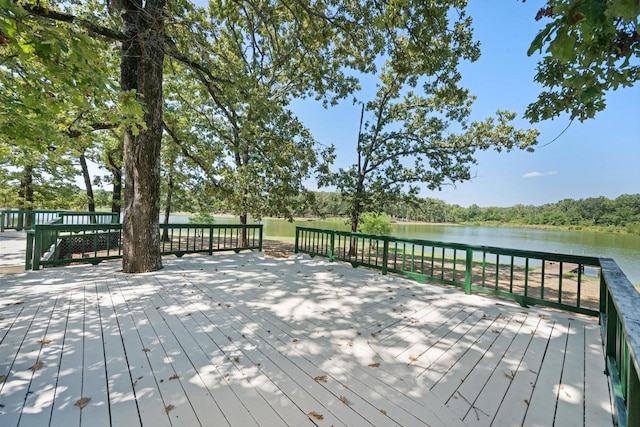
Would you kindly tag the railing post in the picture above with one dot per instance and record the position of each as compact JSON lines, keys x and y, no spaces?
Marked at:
{"x":37,"y":248}
{"x":468,"y":273}
{"x":1,"y":222}
{"x":385,"y":255}
{"x":295,"y":249}
{"x":260,"y":238}
{"x":332,"y":241}
{"x":633,"y":396}
{"x":28,"y":262}
{"x":211,"y":228}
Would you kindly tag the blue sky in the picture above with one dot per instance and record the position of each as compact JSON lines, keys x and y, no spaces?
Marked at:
{"x":600,"y":157}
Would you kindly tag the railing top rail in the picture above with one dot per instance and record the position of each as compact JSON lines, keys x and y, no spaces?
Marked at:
{"x":578,"y":259}
{"x":627,"y":300}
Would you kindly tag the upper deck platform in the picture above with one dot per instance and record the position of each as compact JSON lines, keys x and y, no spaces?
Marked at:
{"x":239,"y":339}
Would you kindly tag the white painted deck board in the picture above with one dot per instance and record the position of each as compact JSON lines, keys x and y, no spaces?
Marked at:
{"x":242,"y":340}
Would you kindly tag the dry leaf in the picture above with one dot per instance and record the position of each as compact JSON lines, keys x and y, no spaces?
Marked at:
{"x":322,"y":378}
{"x":316,"y":415}
{"x":36,"y":366}
{"x":374,"y":365}
{"x":295,"y":340}
{"x":3,"y":378}
{"x":383,"y":412}
{"x":526,"y":401}
{"x":510,"y":376}
{"x":229,"y":338}
{"x":168,"y":408}
{"x":413,"y":359}
{"x":18,"y":303}
{"x":350,"y":344}
{"x":345,"y":400}
{"x":164,"y":288}
{"x":146,"y":350}
{"x":236,"y":359}
{"x":44,"y":342}
{"x":174,"y":377}
{"x":228,"y":305}
{"x":81,"y":403}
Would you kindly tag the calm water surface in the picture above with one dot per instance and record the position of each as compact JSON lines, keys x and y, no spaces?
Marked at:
{"x":623,"y":248}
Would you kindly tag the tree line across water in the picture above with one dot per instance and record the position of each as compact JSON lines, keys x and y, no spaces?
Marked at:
{"x":619,"y":214}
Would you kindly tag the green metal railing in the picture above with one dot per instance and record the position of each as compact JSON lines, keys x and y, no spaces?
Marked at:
{"x":62,"y":244}
{"x":27,"y":219}
{"x":587,"y":285}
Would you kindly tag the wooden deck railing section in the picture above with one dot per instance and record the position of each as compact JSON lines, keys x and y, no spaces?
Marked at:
{"x":581,"y":284}
{"x":27,"y":219}
{"x":62,"y":244}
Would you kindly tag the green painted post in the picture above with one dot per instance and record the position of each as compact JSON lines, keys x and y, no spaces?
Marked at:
{"x":332,"y":240}
{"x":468,"y":273}
{"x":28,"y":263}
{"x":37,"y":249}
{"x":385,"y":256}
{"x":1,"y":222}
{"x":295,"y":250}
{"x":260,"y":238}
{"x":633,"y":396}
{"x":210,"y":240}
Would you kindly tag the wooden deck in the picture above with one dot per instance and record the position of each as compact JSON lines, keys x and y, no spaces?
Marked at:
{"x":242,"y":340}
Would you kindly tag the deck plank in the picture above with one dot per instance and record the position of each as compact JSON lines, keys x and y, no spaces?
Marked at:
{"x":514,"y":405}
{"x":38,"y":403}
{"x":542,"y":410}
{"x":597,"y":394}
{"x":571,"y":393}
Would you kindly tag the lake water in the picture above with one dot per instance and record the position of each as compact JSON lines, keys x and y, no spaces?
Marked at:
{"x":623,"y":248}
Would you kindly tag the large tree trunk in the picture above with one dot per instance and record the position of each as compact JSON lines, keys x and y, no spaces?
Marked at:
{"x":141,"y":69}
{"x":87,"y":184}
{"x":25,"y":198}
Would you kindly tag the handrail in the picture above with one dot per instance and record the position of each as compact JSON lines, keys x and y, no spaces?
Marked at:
{"x":94,"y":243}
{"x":528,"y":277}
{"x":25,"y":219}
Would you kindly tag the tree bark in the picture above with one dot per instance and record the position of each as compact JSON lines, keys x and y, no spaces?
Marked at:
{"x":141,"y":69}
{"x":25,"y":198}
{"x":87,"y":183}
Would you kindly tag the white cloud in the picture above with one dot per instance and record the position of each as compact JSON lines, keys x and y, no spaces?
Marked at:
{"x":538,"y":174}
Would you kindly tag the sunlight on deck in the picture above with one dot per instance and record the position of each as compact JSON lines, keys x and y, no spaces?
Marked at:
{"x":241,"y":340}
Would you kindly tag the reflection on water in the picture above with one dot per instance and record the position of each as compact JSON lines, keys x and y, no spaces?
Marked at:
{"x":623,"y":248}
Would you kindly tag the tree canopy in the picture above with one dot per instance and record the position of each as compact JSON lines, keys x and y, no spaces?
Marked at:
{"x":589,"y":47}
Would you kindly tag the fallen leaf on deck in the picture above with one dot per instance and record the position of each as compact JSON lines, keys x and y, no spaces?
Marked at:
{"x":526,"y":401}
{"x":174,"y":377}
{"x":146,"y":350}
{"x":3,"y":378}
{"x":374,"y":365}
{"x":236,"y":359}
{"x":229,"y":338}
{"x":81,"y":403}
{"x":36,"y":366}
{"x":295,"y":340}
{"x":345,"y":400}
{"x":510,"y":376}
{"x":228,"y":305}
{"x":350,"y":344}
{"x":168,"y":408}
{"x":18,"y":303}
{"x":383,"y":412}
{"x":413,"y":359}
{"x":316,"y":415}
{"x":44,"y":342}
{"x":320,"y":378}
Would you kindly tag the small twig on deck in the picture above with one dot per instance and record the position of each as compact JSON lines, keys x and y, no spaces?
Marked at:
{"x":476,"y":409}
